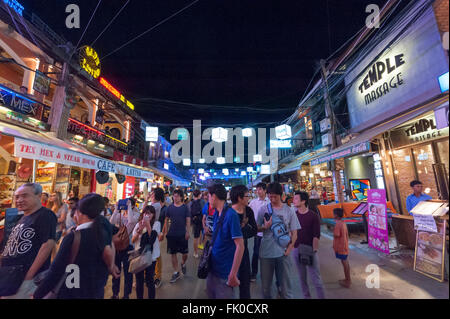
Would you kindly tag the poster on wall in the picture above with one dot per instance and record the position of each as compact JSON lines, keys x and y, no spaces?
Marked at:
{"x":430,"y":252}
{"x":7,"y":187}
{"x":377,"y":223}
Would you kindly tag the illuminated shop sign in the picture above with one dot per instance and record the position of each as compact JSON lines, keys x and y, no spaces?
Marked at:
{"x":16,"y":6}
{"x":116,"y":92}
{"x":352,"y":150}
{"x":280,"y":143}
{"x":90,"y":61}
{"x":22,"y":120}
{"x":78,"y":128}
{"x":23,"y":105}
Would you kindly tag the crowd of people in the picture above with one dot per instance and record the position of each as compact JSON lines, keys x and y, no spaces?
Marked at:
{"x":126,"y":241}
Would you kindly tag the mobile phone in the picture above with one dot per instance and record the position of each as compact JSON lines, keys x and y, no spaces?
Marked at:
{"x":146,"y":218}
{"x":123,"y":204}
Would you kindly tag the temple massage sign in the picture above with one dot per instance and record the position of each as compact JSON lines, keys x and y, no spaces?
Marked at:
{"x":398,"y":74}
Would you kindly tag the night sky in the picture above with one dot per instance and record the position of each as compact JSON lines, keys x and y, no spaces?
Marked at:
{"x":241,"y":53}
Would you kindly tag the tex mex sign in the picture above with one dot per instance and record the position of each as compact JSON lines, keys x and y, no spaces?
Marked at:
{"x":19,"y":104}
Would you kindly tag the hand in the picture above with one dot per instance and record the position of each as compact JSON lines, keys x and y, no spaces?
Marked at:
{"x":288,"y":251}
{"x":114,"y":271}
{"x":268,"y":223}
{"x":207,"y":231}
{"x":233,"y":281}
{"x":187,"y":235}
{"x":161,"y":237}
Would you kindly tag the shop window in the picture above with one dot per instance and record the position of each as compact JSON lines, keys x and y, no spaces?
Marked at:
{"x":404,"y":172}
{"x":423,"y":155}
{"x":443,"y":152}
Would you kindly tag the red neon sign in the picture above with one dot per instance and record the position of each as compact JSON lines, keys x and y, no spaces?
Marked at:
{"x":110,"y":88}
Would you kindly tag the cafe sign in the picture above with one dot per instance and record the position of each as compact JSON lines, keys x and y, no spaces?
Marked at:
{"x":89,"y":61}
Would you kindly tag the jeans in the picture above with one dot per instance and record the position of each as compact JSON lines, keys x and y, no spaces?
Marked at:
{"x":314,"y":273}
{"x":244,"y":276}
{"x":282,"y":266}
{"x":255,"y":257}
{"x":146,"y":275}
{"x":122,"y":259}
{"x":217,"y":288}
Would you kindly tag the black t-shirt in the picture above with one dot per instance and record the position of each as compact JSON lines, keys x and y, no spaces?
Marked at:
{"x":27,"y":237}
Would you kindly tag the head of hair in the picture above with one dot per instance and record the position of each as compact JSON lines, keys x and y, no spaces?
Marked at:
{"x":218,"y":190}
{"x":303,"y":197}
{"x":414,"y":183}
{"x":262,"y":186}
{"x":275,"y":188}
{"x":92,"y":206}
{"x":339,"y":212}
{"x":74,"y":199}
{"x":106,"y":200}
{"x":159,"y":194}
{"x":197,"y":193}
{"x":179,"y":192}
{"x":37,"y":188}
{"x":237,"y":192}
{"x":133,"y":201}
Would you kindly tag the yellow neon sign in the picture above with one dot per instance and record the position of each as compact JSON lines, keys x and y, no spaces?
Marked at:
{"x":90,"y":61}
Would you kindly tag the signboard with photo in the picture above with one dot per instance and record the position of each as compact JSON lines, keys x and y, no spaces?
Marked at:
{"x":377,"y":224}
{"x":41,"y":83}
{"x":430,"y":252}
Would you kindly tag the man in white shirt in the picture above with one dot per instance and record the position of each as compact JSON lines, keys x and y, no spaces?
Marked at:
{"x":255,"y":205}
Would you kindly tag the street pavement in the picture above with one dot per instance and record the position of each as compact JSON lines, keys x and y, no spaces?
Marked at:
{"x":396,"y":277}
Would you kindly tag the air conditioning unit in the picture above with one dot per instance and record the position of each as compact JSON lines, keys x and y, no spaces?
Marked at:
{"x":325,"y":125}
{"x":326,"y":139}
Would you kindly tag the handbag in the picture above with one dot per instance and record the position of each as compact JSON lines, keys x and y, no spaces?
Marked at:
{"x":121,"y":240}
{"x":205,"y":262}
{"x":53,"y":294}
{"x":305,"y":255}
{"x":279,"y":230}
{"x":142,"y":261}
{"x":11,"y":278}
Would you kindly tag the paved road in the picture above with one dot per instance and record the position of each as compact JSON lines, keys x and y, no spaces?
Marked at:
{"x":397,"y":280}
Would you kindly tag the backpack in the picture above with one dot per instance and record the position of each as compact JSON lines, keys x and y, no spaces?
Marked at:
{"x":279,"y":230}
{"x":196,"y":212}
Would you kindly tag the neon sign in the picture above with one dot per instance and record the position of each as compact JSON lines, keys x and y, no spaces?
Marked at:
{"x":90,"y":61}
{"x":116,"y":93}
{"x":16,"y":6}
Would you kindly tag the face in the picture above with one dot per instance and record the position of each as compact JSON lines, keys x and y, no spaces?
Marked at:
{"x":26,"y":200}
{"x":261,"y":192}
{"x":212,"y":200}
{"x":418,"y":188}
{"x":244,"y":200}
{"x":72,"y":204}
{"x":275,"y":199}
{"x":53,"y":197}
{"x":44,"y":197}
{"x":176,"y":198}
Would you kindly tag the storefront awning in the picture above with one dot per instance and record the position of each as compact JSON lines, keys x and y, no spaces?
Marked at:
{"x":45,"y":147}
{"x":178,"y":181}
{"x":302,"y":158}
{"x":361,"y":143}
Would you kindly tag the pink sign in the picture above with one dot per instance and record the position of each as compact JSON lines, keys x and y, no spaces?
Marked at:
{"x":377,"y":220}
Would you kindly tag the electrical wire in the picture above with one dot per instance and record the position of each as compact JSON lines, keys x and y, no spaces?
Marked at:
{"x":152,"y":28}
{"x":117,"y":14}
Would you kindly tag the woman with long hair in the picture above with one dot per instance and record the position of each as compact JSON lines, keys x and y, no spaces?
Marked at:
{"x":94,"y":237}
{"x":56,"y":204}
{"x":145,"y":234}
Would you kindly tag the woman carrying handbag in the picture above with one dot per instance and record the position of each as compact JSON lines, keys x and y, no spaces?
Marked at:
{"x":147,"y":251}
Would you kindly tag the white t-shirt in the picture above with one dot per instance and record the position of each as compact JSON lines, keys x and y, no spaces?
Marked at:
{"x":156,"y":250}
{"x":256,"y":205}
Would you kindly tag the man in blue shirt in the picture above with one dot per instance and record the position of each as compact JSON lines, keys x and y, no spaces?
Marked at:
{"x":417,"y":196}
{"x":228,"y":247}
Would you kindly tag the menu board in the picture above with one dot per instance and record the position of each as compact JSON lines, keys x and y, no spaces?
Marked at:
{"x":377,"y":221}
{"x":7,"y":187}
{"x":430,"y":252}
{"x":44,"y":175}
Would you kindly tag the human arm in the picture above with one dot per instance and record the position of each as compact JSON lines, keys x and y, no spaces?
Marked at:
{"x":233,"y":281}
{"x":188,"y":226}
{"x":409,"y":205}
{"x":289,"y":248}
{"x":41,"y":258}
{"x":115,"y":217}
{"x":108,"y":256}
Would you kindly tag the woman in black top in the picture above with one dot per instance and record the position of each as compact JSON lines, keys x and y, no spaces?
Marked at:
{"x":95,"y":235}
{"x":239,"y":198}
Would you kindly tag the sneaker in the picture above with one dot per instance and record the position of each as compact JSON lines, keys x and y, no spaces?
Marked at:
{"x":183,"y":269}
{"x":175,"y":277}
{"x":126,"y":297}
{"x":195,"y":255}
{"x":158,"y":283}
{"x":114,"y":297}
{"x":201,"y":246}
{"x":253,"y":278}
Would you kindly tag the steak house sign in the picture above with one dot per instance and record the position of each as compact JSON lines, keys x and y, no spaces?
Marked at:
{"x":382,"y":77}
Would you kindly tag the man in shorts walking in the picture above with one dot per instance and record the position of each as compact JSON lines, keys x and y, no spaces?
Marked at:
{"x":178,"y":234}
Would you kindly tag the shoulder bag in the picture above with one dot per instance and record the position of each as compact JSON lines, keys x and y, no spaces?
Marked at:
{"x":279,"y":230}
{"x":205,"y":262}
{"x":53,"y":294}
{"x":121,"y":240}
{"x":305,"y":255}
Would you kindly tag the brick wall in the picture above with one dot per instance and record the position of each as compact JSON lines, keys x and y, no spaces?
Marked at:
{"x":442,"y":14}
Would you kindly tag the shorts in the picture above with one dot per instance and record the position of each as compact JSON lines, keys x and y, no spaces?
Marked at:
{"x":197,"y":230}
{"x":177,"y":245}
{"x":341,"y":257}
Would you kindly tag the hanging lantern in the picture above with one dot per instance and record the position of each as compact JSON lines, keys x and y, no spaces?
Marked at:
{"x":219,"y":135}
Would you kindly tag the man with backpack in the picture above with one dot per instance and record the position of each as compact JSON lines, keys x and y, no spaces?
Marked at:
{"x":279,"y":226}
{"x":195,"y":208}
